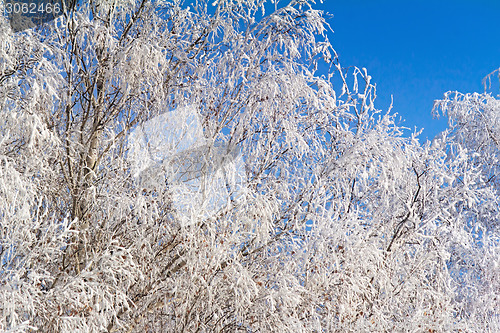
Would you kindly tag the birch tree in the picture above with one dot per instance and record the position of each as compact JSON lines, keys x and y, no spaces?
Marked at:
{"x":184,"y":167}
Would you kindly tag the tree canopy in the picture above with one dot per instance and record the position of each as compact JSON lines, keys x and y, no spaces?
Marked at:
{"x":172,"y":167}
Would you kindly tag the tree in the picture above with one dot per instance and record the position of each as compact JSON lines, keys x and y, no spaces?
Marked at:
{"x":174,"y":168}
{"x":472,"y":137}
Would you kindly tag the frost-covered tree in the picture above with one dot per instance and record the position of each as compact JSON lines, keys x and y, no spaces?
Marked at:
{"x":175,"y":168}
{"x":473,"y":138}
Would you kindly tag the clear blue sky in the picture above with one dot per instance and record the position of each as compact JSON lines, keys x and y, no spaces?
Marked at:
{"x":418,"y":50}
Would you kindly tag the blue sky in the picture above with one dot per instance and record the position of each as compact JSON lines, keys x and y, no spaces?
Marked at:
{"x":418,"y":50}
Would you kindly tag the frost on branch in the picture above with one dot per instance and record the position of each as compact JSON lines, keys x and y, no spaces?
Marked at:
{"x":170,"y":150}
